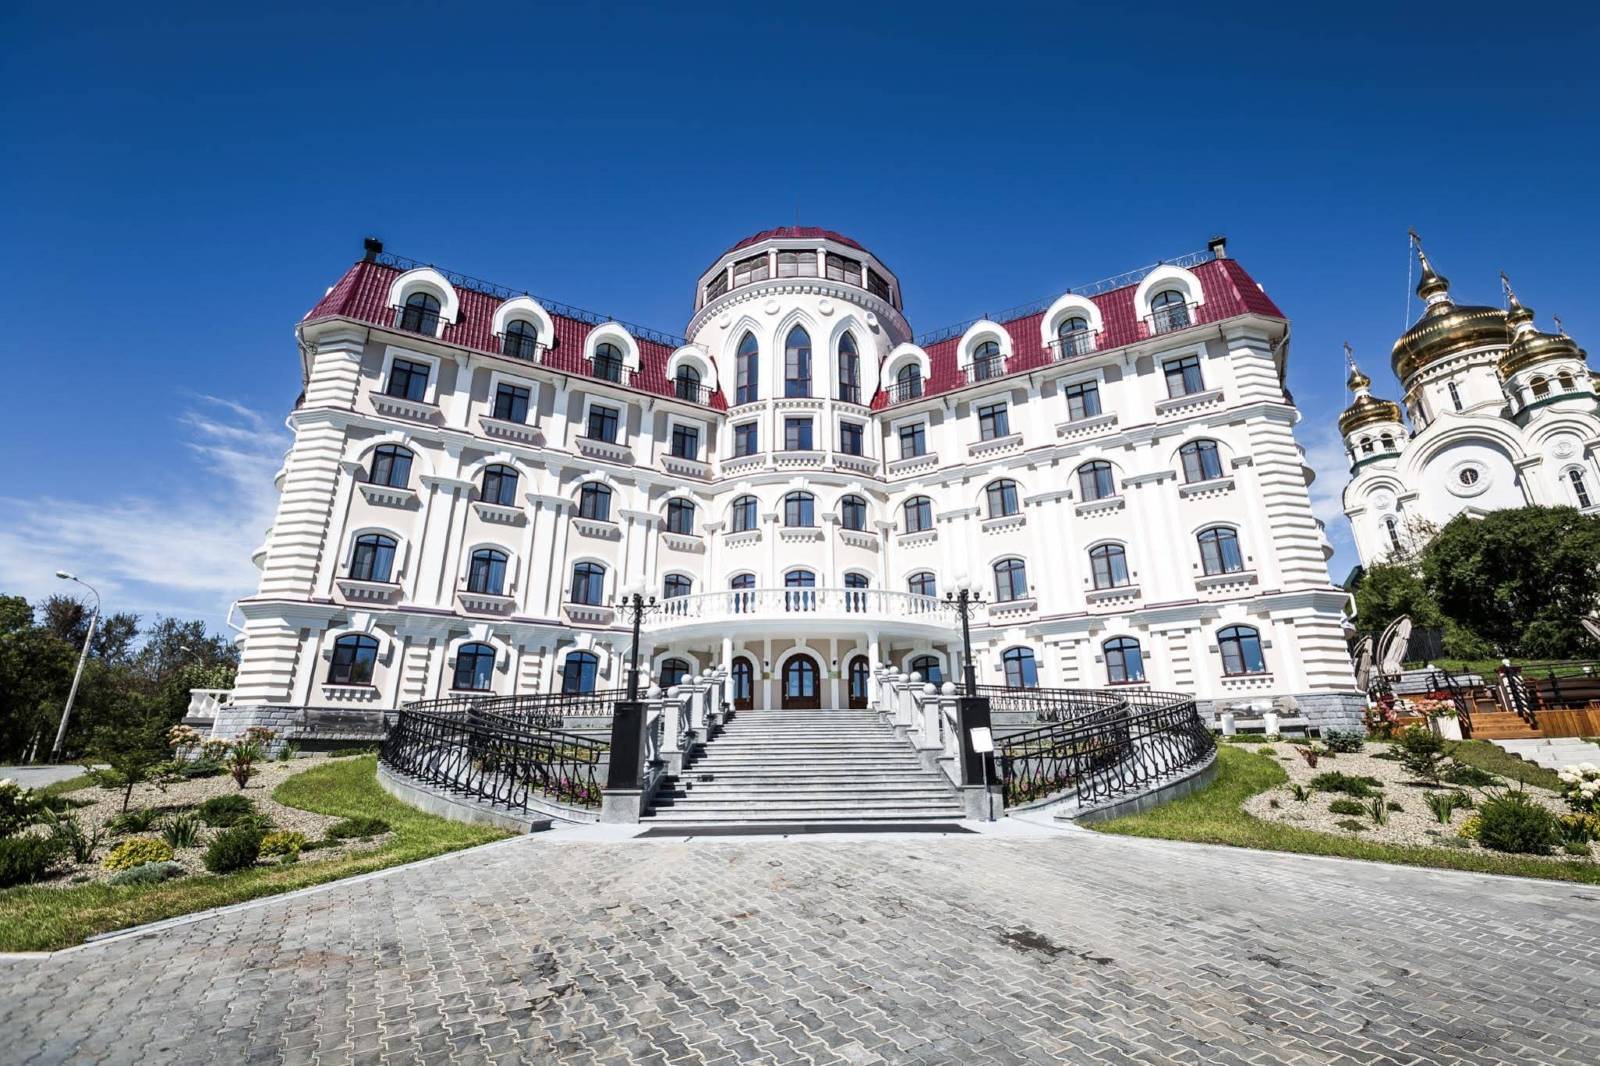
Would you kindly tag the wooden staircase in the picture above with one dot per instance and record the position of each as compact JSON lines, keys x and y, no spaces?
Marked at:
{"x":1502,"y":725}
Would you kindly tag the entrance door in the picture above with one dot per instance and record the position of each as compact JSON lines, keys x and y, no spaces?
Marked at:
{"x":802,"y":684}
{"x":860,"y":677}
{"x":744,"y":687}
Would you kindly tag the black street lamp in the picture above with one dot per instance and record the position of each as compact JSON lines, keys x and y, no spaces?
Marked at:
{"x":965,"y":601}
{"x":634,"y":604}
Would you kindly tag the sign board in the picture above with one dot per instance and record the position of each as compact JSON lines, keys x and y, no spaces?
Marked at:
{"x":982,"y":740}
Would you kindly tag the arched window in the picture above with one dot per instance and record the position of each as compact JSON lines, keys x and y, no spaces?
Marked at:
{"x":1565,"y":381}
{"x":860,"y":681}
{"x":675,"y":586}
{"x":1393,"y":529}
{"x":474,"y":667}
{"x":1455,"y":396}
{"x":748,"y":361}
{"x":1201,"y":462}
{"x":1579,"y":489}
{"x":922,"y":583}
{"x":1387,"y":441}
{"x":854,"y":598}
{"x":1108,"y":564}
{"x":849,"y":369}
{"x":742,"y":514}
{"x":1010,"y":580}
{"x":673,"y":672}
{"x":608,"y":361}
{"x":391,"y":466}
{"x":918,"y":514}
{"x":800,"y":579}
{"x":500,"y":486}
{"x":1168,"y":311}
{"x":594,"y":501}
{"x":588,"y":584}
{"x":1070,"y":332}
{"x":373,"y":557}
{"x":1219,"y":551}
{"x":1095,"y":481}
{"x":743,"y":599}
{"x":420,"y":314}
{"x":986,"y":361}
{"x":1366,"y":445}
{"x":1002,"y":498}
{"x":797,"y":363}
{"x":354,"y":657}
{"x":800,"y":590}
{"x":1021,"y":670}
{"x":520,"y":340}
{"x":1539,"y":386}
{"x":1241,"y":651}
{"x":853,"y":512}
{"x":680,"y":516}
{"x":686,"y":384}
{"x":487,"y":573}
{"x":1124,"y":660}
{"x":908,"y":382}
{"x":579,"y":673}
{"x":800,"y":509}
{"x":928,"y":667}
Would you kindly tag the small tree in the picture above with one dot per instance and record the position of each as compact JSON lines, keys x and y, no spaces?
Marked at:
{"x":1421,"y":751}
{"x":132,"y":741}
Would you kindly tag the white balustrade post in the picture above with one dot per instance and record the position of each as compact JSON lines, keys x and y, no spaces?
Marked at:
{"x":672,"y":714}
{"x":905,"y":705}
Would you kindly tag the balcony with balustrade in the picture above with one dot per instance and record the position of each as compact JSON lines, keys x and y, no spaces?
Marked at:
{"x":800,"y":610}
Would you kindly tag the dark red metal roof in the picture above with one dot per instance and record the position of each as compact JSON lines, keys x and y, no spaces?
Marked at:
{"x":794,"y":233}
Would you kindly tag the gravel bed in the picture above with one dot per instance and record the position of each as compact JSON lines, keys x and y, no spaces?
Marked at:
{"x":1413,"y":824}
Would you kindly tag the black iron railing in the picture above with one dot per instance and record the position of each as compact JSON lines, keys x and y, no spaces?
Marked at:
{"x":1051,"y":704}
{"x":1106,"y":753}
{"x":1459,"y":694}
{"x":1169,"y":319}
{"x":520,"y":346}
{"x":416,"y":320}
{"x":1071,"y":345}
{"x":692,"y":391}
{"x":983,"y":368}
{"x":905,"y":391}
{"x":547,"y":709}
{"x":495,"y":759}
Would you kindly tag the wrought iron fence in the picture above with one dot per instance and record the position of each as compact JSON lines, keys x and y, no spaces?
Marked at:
{"x":1170,"y":319}
{"x":904,"y":391}
{"x":1073,"y":344}
{"x":1105,"y":753}
{"x":495,"y":759}
{"x":547,"y":709}
{"x":416,"y":320}
{"x":1051,"y":704}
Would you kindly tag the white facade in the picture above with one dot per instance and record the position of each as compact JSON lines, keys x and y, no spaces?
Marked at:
{"x":1496,"y":414}
{"x":1248,"y":612}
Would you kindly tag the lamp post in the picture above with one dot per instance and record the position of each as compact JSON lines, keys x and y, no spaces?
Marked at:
{"x":72,"y":694}
{"x":965,"y":601}
{"x":635,"y":605}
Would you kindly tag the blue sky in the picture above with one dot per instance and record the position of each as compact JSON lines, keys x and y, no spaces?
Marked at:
{"x":183,"y":183}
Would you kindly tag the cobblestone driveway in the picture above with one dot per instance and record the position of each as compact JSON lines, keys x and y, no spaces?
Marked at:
{"x":974,"y":950}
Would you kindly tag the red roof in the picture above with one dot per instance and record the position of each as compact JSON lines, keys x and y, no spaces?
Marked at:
{"x":794,"y":233}
{"x":363,"y":294}
{"x":1228,"y":289}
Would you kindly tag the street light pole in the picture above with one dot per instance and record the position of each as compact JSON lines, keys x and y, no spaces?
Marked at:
{"x":72,"y":694}
{"x":965,"y":601}
{"x":634,"y":603}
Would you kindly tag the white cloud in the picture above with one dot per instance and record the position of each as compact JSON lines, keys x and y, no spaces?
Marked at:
{"x":185,"y":554}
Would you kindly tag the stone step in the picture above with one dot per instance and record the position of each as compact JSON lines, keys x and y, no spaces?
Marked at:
{"x":751,"y":816}
{"x":797,"y":790}
{"x":767,"y":777}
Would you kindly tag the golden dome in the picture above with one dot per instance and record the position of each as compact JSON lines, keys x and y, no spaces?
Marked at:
{"x":1367,"y":410}
{"x":1357,"y":380}
{"x":1444,"y":328}
{"x":1533,"y":347}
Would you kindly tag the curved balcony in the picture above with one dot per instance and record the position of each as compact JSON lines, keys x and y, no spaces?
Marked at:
{"x":804,"y":610}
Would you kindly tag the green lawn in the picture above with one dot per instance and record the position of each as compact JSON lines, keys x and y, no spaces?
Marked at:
{"x":1212,"y":816}
{"x":1485,"y":756}
{"x":34,"y":918}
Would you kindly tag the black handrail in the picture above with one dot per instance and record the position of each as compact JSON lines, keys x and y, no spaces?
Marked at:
{"x":1446,"y":682}
{"x":1051,"y":704}
{"x":495,"y":759}
{"x":547,"y":709}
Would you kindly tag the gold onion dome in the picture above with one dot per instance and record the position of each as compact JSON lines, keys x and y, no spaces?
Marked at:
{"x":1365,"y":409}
{"x":1445,"y":329}
{"x":1529,"y":346}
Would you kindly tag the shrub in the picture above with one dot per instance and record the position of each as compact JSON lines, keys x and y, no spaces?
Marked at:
{"x":1346,"y":806}
{"x":146,"y":873}
{"x":1309,"y":754}
{"x":1576,"y":848}
{"x":19,"y":806}
{"x":1580,"y":827}
{"x":183,"y":831}
{"x":73,"y":838}
{"x":1351,"y":824}
{"x":1344,"y":741}
{"x":1393,"y":806}
{"x":1462,"y":774}
{"x":1443,"y":805}
{"x":1379,"y":810}
{"x":287,"y":752}
{"x":245,"y":751}
{"x":198,"y":768}
{"x":1580,"y":787}
{"x":26,"y":859}
{"x":233,"y":849}
{"x":224,"y":811}
{"x":136,"y":851}
{"x":283,"y":842}
{"x":1513,"y":822}
{"x":363,"y":827}
{"x":1470,"y":827}
{"x":1300,"y":792}
{"x":134,"y":821}
{"x":1349,"y":784}
{"x":1421,"y":751}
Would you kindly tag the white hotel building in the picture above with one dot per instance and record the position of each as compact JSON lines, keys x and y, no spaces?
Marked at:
{"x":476,"y":475}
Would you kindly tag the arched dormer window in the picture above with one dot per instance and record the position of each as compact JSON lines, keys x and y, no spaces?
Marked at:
{"x":686,"y":384}
{"x":908,"y":383}
{"x":474,"y":668}
{"x":680,"y":516}
{"x":499,"y":486}
{"x":1565,"y":381}
{"x":608,"y":362}
{"x":1169,"y":310}
{"x":1073,"y":337}
{"x":918,"y":513}
{"x":594,"y":501}
{"x":1241,"y":651}
{"x":1001,"y":497}
{"x":1021,"y":669}
{"x":1219,"y":551}
{"x":987,"y":361}
{"x":797,"y":363}
{"x":1201,"y":461}
{"x":1108,"y":566}
{"x":675,"y":586}
{"x":853,"y":512}
{"x":742,"y":515}
{"x":520,"y":340}
{"x":355,"y":656}
{"x":1580,"y":490}
{"x":849,"y":369}
{"x":420,"y":314}
{"x":373,"y":558}
{"x":922,"y":583}
{"x":579,"y":673}
{"x":799,"y":510}
{"x":486,"y":573}
{"x":1096,"y":481}
{"x":748,"y":369}
{"x":391,"y":466}
{"x":588,"y":584}
{"x":1539,"y":387}
{"x":1124,"y":661}
{"x":1010,"y":580}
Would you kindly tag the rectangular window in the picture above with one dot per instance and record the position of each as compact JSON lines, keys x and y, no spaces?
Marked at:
{"x":797,"y":264}
{"x":842,"y":269}
{"x":685,"y":442}
{"x":1183,"y":376}
{"x":511,"y":403}
{"x":913,"y":441}
{"x":1083,"y":400}
{"x":850,"y":438}
{"x":744,"y":438}
{"x":797,"y":434}
{"x":993,"y":422}
{"x":756,"y":268}
{"x":408,"y":379}
{"x":877,"y":285}
{"x":603,"y":424}
{"x":717,"y":286}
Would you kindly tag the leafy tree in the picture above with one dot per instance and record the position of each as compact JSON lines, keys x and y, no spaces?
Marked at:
{"x":1388,"y":590}
{"x":132,"y":740}
{"x":1519,"y":579}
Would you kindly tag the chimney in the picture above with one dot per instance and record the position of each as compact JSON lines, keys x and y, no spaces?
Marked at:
{"x":1217,"y":244}
{"x":373,"y":248}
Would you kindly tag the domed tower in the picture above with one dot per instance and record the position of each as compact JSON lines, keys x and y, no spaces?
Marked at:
{"x":1372,"y":428}
{"x":1542,"y":371}
{"x":1448,"y":361}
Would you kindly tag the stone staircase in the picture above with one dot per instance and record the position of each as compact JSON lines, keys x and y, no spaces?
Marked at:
{"x":1553,"y":753}
{"x":806,"y":768}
